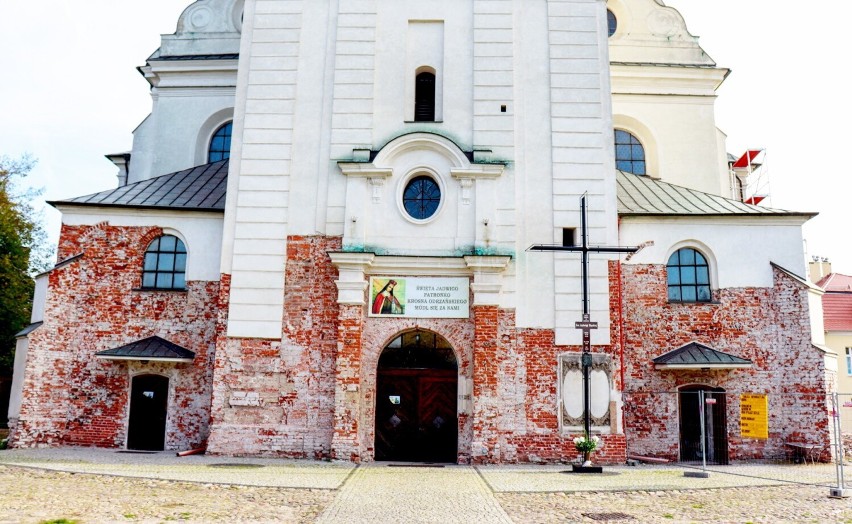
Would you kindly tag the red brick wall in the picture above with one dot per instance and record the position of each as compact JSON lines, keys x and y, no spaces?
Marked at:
{"x":312,"y":393}
{"x":516,"y":404}
{"x":769,"y":326}
{"x":93,"y":304}
{"x":293,"y":378}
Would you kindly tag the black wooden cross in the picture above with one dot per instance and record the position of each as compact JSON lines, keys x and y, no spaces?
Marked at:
{"x":586,"y":324}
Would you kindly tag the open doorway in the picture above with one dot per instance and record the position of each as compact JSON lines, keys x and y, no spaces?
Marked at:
{"x":715,"y":424}
{"x":146,"y":428}
{"x":417,"y":400}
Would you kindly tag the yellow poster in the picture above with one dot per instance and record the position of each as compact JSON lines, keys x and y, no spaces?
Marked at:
{"x":754,"y":416}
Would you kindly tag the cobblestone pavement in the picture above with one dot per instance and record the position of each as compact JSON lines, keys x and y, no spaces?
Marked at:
{"x":94,"y":486}
{"x":415,"y":494}
{"x":34,"y":496}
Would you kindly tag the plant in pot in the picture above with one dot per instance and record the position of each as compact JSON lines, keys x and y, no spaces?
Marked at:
{"x":586,"y":446}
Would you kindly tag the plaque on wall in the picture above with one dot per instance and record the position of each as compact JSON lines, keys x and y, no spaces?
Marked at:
{"x":571,"y":389}
{"x":419,"y":297}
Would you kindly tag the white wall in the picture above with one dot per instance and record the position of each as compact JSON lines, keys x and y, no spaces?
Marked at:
{"x":21,"y":346}
{"x":680,"y":138}
{"x":176,"y":135}
{"x":201,"y":232}
{"x":188,"y":96}
{"x":664,"y":90}
{"x":739,"y":249}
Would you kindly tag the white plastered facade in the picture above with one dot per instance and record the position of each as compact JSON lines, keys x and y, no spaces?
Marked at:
{"x":509,"y":97}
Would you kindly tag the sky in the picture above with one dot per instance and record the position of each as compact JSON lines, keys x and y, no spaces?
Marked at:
{"x":70,"y":93}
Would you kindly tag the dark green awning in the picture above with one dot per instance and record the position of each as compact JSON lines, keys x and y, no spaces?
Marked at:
{"x":151,"y":348}
{"x":699,"y":356}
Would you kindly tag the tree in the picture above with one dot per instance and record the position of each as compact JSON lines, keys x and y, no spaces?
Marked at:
{"x":23,"y":252}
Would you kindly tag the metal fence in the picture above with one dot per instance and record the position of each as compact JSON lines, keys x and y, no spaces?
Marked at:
{"x":783,"y":437}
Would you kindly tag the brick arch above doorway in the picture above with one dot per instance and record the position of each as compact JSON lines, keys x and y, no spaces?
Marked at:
{"x":379,"y":332}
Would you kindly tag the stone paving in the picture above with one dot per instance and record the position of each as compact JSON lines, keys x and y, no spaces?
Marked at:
{"x":89,"y":485}
{"x":195,"y":468}
{"x":378,"y":493}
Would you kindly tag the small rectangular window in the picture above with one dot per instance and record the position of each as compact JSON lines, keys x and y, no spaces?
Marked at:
{"x":849,"y":361}
{"x":569,"y":237}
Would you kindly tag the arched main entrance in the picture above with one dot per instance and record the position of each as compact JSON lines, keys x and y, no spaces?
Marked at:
{"x":416,"y":399}
{"x":715,"y":424}
{"x":146,"y":427}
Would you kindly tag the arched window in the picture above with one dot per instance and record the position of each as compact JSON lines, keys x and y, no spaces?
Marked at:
{"x":424,"y":97}
{"x":220,"y":144}
{"x":629,"y":153}
{"x":611,"y":22}
{"x":421,"y":197}
{"x":688,"y":276}
{"x":165,"y":264}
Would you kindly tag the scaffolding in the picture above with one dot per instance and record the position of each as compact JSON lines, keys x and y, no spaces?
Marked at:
{"x":749,"y":177}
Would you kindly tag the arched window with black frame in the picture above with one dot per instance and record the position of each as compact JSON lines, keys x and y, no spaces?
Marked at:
{"x":629,"y":153}
{"x":688,"y":276}
{"x":424,"y":97}
{"x":165,"y":264}
{"x":220,"y":144}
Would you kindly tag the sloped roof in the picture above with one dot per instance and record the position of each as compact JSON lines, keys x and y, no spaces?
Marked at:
{"x":151,"y":348}
{"x":29,"y":329}
{"x":201,"y":188}
{"x":836,"y":282}
{"x":697,"y":356}
{"x":836,"y":302}
{"x":837,"y":311}
{"x":643,"y":195}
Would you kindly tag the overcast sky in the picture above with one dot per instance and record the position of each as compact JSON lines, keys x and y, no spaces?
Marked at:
{"x":71,"y":94}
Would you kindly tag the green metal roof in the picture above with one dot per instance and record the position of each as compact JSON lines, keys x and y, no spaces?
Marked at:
{"x":699,"y":356}
{"x":151,"y":348}
{"x":200,"y":188}
{"x":642,"y":196}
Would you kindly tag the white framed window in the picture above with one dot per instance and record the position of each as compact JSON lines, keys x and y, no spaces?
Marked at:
{"x":849,"y":361}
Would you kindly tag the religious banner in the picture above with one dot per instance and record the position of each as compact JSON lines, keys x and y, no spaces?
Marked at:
{"x":754,"y":416}
{"x":419,"y":297}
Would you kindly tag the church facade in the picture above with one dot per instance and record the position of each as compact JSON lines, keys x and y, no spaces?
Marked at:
{"x":319,"y":244}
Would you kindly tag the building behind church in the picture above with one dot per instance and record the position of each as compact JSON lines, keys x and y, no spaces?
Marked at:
{"x":318,"y":246}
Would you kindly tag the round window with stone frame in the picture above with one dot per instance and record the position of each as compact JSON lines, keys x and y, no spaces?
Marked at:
{"x":421,"y":197}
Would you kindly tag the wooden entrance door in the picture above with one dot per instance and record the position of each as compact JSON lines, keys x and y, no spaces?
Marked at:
{"x":146,"y":428}
{"x":715,"y":425}
{"x":416,"y":415}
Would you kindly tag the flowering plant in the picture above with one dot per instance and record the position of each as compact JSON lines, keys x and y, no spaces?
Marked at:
{"x":586,"y":444}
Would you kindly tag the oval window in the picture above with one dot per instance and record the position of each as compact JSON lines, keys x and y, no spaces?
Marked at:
{"x":421,"y":197}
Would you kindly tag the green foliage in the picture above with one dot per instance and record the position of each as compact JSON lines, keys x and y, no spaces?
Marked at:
{"x":23,"y":252}
{"x":586,"y":444}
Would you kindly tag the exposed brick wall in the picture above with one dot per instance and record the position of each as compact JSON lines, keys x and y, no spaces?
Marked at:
{"x":311,"y":393}
{"x":516,"y":411}
{"x":93,"y":304}
{"x":349,"y":421}
{"x":769,"y":326}
{"x":276,"y":397}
